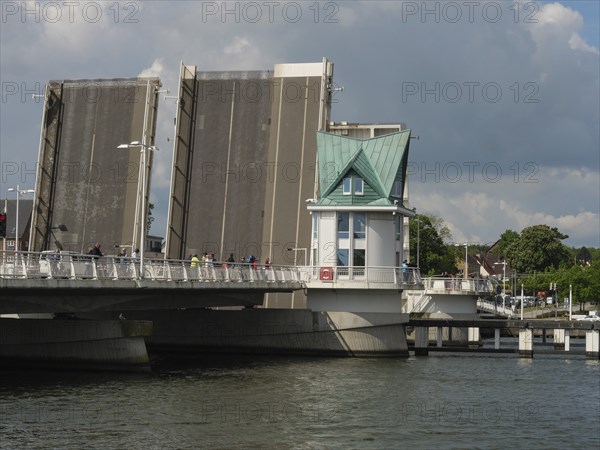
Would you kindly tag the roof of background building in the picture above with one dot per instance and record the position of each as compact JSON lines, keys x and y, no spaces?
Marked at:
{"x":25,"y":208}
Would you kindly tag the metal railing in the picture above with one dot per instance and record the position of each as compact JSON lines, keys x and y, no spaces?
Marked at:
{"x":454,"y":284}
{"x":65,"y":265}
{"x":484,"y":305}
{"x":363,"y":274}
{"x":72,"y":266}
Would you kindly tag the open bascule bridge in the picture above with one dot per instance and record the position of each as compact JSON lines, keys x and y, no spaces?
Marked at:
{"x":348,"y":217}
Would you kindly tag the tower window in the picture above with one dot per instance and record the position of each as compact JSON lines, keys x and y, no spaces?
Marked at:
{"x":347,"y":189}
{"x":359,"y":186}
{"x":353,"y":185}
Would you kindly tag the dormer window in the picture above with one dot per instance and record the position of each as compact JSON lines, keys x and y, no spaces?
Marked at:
{"x":347,"y":189}
{"x":359,"y":186}
{"x":353,"y":185}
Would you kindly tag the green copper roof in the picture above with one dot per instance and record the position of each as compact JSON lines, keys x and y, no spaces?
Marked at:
{"x":379,"y":161}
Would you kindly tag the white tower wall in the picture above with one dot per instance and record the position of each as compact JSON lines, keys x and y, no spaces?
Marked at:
{"x":381,"y":239}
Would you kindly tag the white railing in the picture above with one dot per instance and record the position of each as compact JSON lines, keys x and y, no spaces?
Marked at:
{"x":362,"y":274}
{"x":484,"y":305}
{"x":456,"y":285}
{"x":50,"y":265}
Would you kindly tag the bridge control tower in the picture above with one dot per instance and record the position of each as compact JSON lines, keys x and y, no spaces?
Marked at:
{"x":358,"y":216}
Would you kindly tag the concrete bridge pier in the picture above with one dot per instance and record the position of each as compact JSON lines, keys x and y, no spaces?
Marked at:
{"x":474,"y":337}
{"x":559,"y":339}
{"x":562,"y":339}
{"x":526,"y":343}
{"x":74,"y":344}
{"x":439,"y":336}
{"x":497,"y":338}
{"x":592,"y":344}
{"x":421,"y":341}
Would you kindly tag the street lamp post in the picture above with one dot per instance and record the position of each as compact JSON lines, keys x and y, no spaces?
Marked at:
{"x":143,"y":147}
{"x":503,"y":275}
{"x":466,"y":244}
{"x":418,"y":240}
{"x":19,"y":193}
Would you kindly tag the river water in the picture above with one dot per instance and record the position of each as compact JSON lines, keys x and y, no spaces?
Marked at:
{"x":439,"y":401}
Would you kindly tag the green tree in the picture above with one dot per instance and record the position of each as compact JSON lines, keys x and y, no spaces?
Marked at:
{"x":595,"y":252}
{"x":434,"y":256}
{"x":537,"y":248}
{"x":149,"y":217}
{"x":585,"y":282}
{"x":583,"y":254}
{"x":506,"y":238}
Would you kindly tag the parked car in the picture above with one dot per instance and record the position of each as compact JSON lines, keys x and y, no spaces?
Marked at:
{"x":591,"y":318}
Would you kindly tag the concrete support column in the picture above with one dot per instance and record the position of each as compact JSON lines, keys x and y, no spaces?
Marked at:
{"x":421,"y":341}
{"x":497,"y":338}
{"x":526,"y":343}
{"x":592,"y":344}
{"x":473,"y":337}
{"x":559,"y":339}
{"x":567,"y":340}
{"x":439,"y":337}
{"x":543,"y":335}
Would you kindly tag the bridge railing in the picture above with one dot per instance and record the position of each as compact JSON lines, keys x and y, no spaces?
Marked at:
{"x":455,"y":284}
{"x":67,"y":265}
{"x":484,"y":305}
{"x":362,"y":274}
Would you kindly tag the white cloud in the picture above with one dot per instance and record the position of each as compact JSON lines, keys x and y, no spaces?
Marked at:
{"x":585,"y":224}
{"x":577,"y":43}
{"x":239,"y":45}
{"x":479,"y":212}
{"x":559,"y":25}
{"x":155,"y":70}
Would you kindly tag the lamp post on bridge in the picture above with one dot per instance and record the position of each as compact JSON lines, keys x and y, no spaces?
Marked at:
{"x":503,"y":280}
{"x":418,"y":240}
{"x":503,"y":274}
{"x":19,"y":193}
{"x":466,"y":244}
{"x":143,"y":150}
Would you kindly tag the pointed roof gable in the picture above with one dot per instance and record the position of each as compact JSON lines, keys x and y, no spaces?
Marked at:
{"x":377,"y":160}
{"x":361,"y":165}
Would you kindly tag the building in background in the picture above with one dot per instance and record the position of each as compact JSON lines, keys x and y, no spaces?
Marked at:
{"x":8,"y":243}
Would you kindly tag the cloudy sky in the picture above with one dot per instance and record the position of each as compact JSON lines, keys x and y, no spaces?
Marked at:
{"x":504,"y":96}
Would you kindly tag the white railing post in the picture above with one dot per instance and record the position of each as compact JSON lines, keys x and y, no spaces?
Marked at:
{"x":185,"y":272}
{"x":169,"y":275}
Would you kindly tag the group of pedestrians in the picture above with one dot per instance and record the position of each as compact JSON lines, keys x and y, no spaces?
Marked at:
{"x":96,"y":252}
{"x":209,"y":260}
